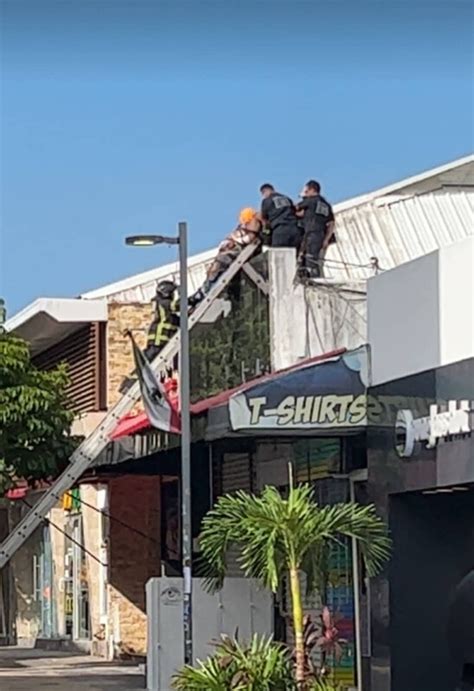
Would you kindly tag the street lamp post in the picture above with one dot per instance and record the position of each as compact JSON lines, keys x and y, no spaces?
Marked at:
{"x":184,"y":390}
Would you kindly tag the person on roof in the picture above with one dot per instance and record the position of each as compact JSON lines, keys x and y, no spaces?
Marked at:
{"x":279,"y":214}
{"x":247,"y":232}
{"x":163,"y":327}
{"x":318,"y":224}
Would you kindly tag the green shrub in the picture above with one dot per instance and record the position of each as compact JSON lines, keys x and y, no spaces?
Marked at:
{"x":261,"y":665}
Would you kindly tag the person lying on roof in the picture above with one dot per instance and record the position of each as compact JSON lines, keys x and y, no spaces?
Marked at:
{"x":246,"y":233}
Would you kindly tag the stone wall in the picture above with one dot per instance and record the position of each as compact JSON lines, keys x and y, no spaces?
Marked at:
{"x":27,"y":609}
{"x":135,"y":317}
{"x":134,"y":557}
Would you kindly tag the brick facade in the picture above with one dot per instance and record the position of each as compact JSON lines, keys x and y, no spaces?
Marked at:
{"x":134,"y":557}
{"x":135,"y":317}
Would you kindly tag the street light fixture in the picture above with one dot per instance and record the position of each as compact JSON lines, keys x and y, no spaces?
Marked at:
{"x":184,"y":393}
{"x":149,"y":240}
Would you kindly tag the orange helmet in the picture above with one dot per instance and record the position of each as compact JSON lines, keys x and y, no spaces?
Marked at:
{"x":246,"y":215}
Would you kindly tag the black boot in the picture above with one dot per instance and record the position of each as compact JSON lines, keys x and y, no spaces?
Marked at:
{"x":127,"y":384}
{"x":196,"y":298}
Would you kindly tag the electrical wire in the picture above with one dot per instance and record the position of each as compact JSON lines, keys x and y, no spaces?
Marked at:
{"x":327,"y":260}
{"x":101,"y":511}
{"x":47,"y":521}
{"x":113,"y":518}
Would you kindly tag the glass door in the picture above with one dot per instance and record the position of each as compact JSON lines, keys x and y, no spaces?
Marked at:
{"x":76,"y":589}
{"x":81,"y":612}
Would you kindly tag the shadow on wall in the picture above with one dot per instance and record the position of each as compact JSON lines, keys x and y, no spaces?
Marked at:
{"x":134,"y":557}
{"x":24,"y":607}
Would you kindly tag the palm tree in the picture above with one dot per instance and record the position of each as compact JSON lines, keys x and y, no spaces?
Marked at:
{"x":278,"y":535}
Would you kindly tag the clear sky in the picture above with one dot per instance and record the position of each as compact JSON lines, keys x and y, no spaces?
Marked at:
{"x":123,"y":116}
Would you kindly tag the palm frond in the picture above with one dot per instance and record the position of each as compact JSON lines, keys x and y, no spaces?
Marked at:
{"x":361,"y":523}
{"x":273,"y":533}
{"x":252,"y":524}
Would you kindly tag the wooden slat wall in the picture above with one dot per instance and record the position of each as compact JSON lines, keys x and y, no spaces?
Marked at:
{"x":84,"y":354}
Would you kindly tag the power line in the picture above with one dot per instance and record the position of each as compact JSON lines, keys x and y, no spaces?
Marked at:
{"x":113,"y":518}
{"x":47,"y":521}
{"x":372,"y":264}
{"x":137,"y":531}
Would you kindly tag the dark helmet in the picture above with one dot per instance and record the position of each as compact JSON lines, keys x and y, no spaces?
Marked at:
{"x":165,"y":290}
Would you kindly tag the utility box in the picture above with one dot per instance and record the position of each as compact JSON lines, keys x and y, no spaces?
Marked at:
{"x":241,"y":606}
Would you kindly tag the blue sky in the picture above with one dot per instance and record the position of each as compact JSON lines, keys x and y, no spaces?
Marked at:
{"x":121,"y":117}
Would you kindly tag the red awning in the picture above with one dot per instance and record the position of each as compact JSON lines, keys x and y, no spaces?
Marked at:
{"x":22,"y":489}
{"x":132,"y":424}
{"x":17,"y":493}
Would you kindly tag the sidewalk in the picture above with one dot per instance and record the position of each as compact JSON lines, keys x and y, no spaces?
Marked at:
{"x":23,"y":669}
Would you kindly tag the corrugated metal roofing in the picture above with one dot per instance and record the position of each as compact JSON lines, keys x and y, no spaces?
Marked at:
{"x":398,"y":229}
{"x":141,"y":287}
{"x":388,"y":223}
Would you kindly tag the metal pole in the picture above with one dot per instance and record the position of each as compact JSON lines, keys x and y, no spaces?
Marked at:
{"x":187,"y":538}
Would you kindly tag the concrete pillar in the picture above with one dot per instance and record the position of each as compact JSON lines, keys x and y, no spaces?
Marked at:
{"x":92,"y":529}
{"x":58,"y":540}
{"x":287,"y":310}
{"x":307,"y":321}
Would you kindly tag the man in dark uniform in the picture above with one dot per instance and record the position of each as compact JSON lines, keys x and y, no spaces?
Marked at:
{"x":163,"y":327}
{"x":461,"y":630}
{"x":278,"y":212}
{"x":318,"y":223}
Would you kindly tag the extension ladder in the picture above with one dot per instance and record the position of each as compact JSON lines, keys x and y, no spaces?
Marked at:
{"x":95,"y":443}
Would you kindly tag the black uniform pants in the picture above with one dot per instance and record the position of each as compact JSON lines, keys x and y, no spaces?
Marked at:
{"x":286,"y":236}
{"x":312,"y":246}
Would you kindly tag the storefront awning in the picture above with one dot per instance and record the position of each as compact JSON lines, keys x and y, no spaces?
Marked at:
{"x":139,"y":423}
{"x":328,"y":395}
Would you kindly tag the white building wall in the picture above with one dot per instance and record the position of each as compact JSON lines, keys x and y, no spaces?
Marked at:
{"x":456,"y":299}
{"x":421,"y":314}
{"x":310,"y":321}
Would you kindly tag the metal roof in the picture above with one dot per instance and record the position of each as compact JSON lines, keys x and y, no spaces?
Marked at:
{"x":398,"y":229}
{"x":459,"y":170}
{"x":141,"y":287}
{"x":395,"y":223}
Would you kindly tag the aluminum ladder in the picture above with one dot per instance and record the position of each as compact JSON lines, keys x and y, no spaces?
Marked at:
{"x":95,"y":443}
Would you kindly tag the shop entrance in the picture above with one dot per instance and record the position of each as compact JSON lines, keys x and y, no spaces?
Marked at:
{"x":433,"y":543}
{"x":76,"y":589}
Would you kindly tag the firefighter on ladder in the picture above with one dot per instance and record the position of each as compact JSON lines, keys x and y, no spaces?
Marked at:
{"x":164,"y":325}
{"x":166,"y":319}
{"x":247,"y":232}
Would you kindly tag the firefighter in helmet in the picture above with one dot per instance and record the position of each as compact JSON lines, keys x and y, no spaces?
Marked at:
{"x":166,"y":318}
{"x":163,"y":327}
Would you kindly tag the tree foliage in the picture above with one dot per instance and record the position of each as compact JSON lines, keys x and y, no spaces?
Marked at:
{"x":280,"y":536}
{"x":276,"y":534}
{"x":35,"y":417}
